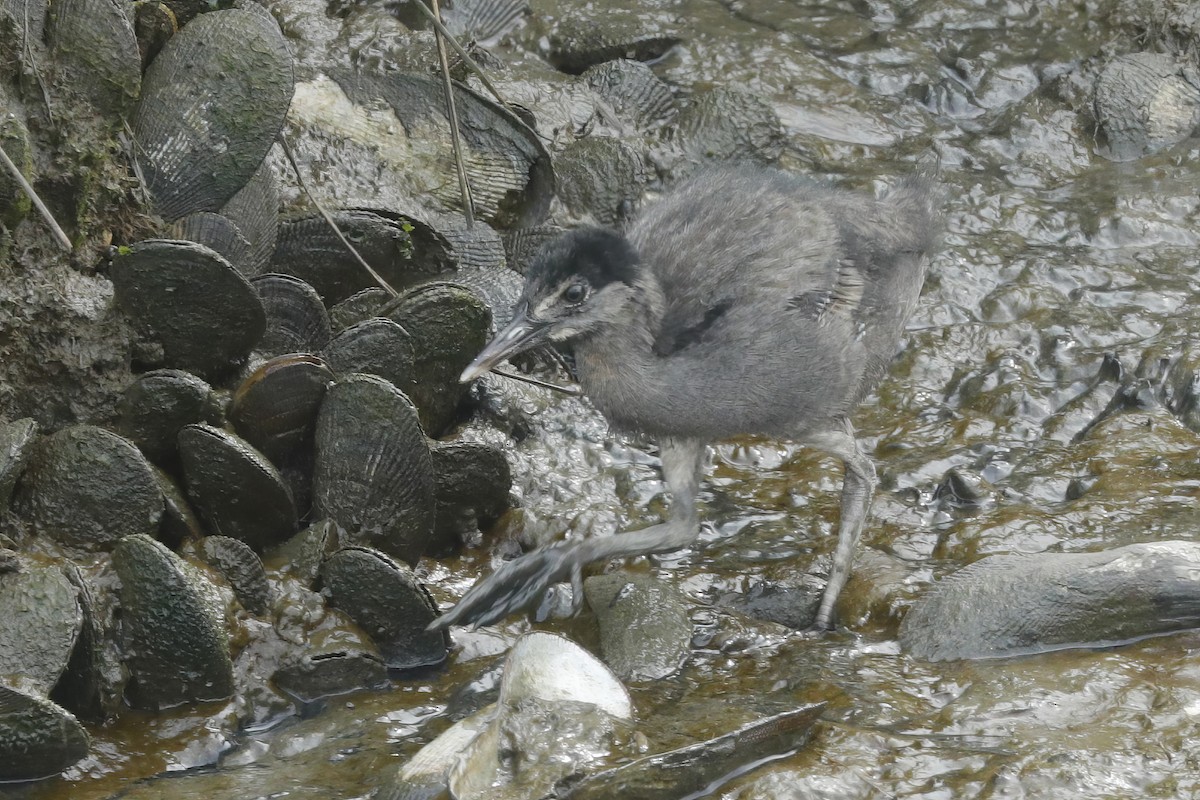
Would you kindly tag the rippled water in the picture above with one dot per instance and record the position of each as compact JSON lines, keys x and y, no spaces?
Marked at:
{"x":1055,"y":260}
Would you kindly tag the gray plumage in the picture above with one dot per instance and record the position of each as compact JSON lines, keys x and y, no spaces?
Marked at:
{"x":744,"y":301}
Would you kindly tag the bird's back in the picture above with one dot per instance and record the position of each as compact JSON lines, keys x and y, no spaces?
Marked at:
{"x":784,"y":300}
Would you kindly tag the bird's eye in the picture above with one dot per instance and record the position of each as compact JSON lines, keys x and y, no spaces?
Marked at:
{"x":575,"y":293}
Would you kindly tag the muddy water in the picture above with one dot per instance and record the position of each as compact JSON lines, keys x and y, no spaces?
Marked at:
{"x":1056,"y":259}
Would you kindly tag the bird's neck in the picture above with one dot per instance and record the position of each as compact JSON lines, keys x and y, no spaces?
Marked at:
{"x":618,"y":367}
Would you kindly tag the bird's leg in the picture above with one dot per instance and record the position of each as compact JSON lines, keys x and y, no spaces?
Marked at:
{"x":857,"y":488}
{"x":522,"y":581}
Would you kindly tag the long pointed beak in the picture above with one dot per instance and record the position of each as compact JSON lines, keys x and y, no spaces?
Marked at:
{"x":519,"y":336}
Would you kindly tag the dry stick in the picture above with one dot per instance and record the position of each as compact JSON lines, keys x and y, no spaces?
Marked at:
{"x":287,"y":151}
{"x":462,"y":53}
{"x":460,"y":165}
{"x":37,"y":201}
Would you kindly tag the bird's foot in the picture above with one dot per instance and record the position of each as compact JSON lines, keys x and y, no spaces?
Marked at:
{"x":517,"y":584}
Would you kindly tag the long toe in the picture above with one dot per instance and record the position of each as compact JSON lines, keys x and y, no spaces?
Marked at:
{"x":517,"y":585}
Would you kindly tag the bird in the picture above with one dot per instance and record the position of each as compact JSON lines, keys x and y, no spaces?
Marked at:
{"x":745,"y":300}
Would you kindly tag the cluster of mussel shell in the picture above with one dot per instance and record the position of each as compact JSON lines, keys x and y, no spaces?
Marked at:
{"x":248,"y":527}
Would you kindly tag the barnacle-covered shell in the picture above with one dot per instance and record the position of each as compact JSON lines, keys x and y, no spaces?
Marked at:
{"x":173,"y":630}
{"x":217,"y":232}
{"x":38,"y":738}
{"x":297,"y":321}
{"x":376,"y":346}
{"x":212,"y":104}
{"x":94,"y":40}
{"x":205,"y":314}
{"x":255,"y":210}
{"x":242,"y":568}
{"x":387,"y":601}
{"x":157,"y":404}
{"x":374,"y":475}
{"x":275,"y":408}
{"x":88,"y":487}
{"x":449,"y":325}
{"x":16,"y":446}
{"x":235,"y":488}
{"x":40,"y":622}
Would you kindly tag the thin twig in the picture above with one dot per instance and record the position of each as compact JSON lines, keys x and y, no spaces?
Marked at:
{"x":287,"y":151}
{"x":569,"y":390}
{"x":37,"y":201}
{"x":459,"y":162}
{"x":462,"y":53}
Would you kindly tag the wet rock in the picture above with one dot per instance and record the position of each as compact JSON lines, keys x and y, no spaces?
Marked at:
{"x":474,"y":483}
{"x":581,"y":40}
{"x":791,"y":601}
{"x":1018,"y":604}
{"x":601,"y":178}
{"x":172,"y":627}
{"x":302,"y":555}
{"x":336,"y":660}
{"x":88,"y":487}
{"x":730,"y":123}
{"x":645,"y":632}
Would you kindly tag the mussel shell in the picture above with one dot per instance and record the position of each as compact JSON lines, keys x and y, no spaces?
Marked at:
{"x":16,"y":447}
{"x":297,"y":321}
{"x":375,"y":346}
{"x":94,"y":39}
{"x":357,"y":307}
{"x":308,"y":249}
{"x":153,"y":24}
{"x":337,"y":659}
{"x":242,"y":568}
{"x":374,"y":474}
{"x":1145,"y":102}
{"x":634,"y":92}
{"x":729,"y":122}
{"x":449,"y":325}
{"x":473,"y":486}
{"x":522,"y":244}
{"x":159,"y":403}
{"x":600,"y":177}
{"x":507,"y":165}
{"x":474,"y":20}
{"x":387,"y":601}
{"x":175,"y":642}
{"x":217,"y":232}
{"x":205,"y":314}
{"x":38,"y":738}
{"x":179,"y":521}
{"x":83,"y":688}
{"x":255,"y":211}
{"x":88,"y":487}
{"x":199,"y":150}
{"x":40,"y":624}
{"x":275,"y":408}
{"x":233,"y":486}
{"x":580,"y":41}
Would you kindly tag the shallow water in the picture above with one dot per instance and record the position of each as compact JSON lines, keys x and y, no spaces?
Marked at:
{"x":1055,"y":259}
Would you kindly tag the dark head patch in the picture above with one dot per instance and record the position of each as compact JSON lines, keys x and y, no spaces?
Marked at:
{"x":598,"y":255}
